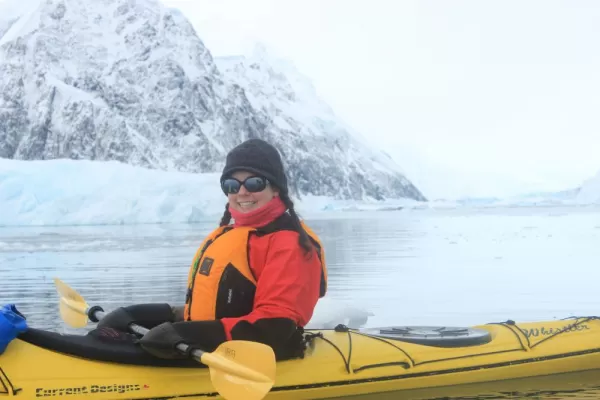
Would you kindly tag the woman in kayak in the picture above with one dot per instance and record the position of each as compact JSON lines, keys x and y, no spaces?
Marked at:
{"x":258,"y":278}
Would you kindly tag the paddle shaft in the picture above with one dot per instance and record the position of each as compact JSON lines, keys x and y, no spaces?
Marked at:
{"x":238,"y":369}
{"x":140,"y":330}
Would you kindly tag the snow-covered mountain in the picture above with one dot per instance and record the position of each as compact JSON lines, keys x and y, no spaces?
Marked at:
{"x":532,"y":198}
{"x":589,"y":193}
{"x":309,"y":127}
{"x":130,"y":80}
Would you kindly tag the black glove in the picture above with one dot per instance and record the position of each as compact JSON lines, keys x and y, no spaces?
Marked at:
{"x":113,"y":336}
{"x":146,"y":315}
{"x":162,"y":340}
{"x":282,"y":334}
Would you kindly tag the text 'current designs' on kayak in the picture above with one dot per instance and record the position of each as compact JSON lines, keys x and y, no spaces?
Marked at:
{"x":88,"y":389}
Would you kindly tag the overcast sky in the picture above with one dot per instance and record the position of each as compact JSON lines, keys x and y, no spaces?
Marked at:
{"x":470,"y":97}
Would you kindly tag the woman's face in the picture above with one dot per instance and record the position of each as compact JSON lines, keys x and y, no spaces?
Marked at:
{"x":245,"y":201}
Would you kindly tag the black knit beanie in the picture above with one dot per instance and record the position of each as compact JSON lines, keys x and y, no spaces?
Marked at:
{"x":259,"y":157}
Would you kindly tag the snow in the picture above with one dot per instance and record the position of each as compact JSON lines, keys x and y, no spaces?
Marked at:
{"x":28,"y":20}
{"x":590,"y":190}
{"x":81,"y":192}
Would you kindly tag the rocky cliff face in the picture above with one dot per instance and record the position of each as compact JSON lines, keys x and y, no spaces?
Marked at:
{"x":130,"y":80}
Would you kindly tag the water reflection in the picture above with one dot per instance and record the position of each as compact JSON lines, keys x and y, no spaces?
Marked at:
{"x":366,"y":246}
{"x":108,"y":265}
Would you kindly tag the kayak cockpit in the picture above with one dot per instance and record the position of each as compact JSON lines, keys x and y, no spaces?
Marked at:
{"x":93,"y":347}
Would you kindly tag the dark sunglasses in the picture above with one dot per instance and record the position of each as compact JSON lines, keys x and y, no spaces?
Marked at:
{"x":252,"y":184}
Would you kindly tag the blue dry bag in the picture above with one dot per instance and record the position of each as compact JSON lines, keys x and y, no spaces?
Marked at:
{"x":12,"y":322}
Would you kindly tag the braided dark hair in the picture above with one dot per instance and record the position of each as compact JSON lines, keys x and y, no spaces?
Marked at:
{"x":226,"y":216}
{"x":303,"y":239}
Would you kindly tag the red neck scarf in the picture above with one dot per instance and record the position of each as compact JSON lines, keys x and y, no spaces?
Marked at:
{"x":261,"y":216}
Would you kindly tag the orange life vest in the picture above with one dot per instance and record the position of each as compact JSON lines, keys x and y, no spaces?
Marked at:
{"x":220,"y":281}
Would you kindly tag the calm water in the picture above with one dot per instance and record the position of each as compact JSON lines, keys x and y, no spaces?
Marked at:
{"x":418,"y":267}
{"x":449,"y":267}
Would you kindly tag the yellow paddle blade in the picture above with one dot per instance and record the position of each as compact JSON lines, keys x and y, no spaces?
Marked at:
{"x":242,"y":369}
{"x":73,"y":308}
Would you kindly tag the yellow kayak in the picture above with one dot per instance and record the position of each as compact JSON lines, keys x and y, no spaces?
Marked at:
{"x":392,"y":362}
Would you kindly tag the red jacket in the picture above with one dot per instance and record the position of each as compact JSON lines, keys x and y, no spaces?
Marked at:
{"x":287,"y":281}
